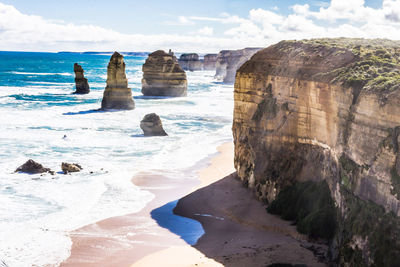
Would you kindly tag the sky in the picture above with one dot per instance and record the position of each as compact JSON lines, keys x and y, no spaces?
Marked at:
{"x":205,"y":26}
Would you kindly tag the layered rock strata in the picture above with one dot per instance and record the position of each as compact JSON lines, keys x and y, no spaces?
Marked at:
{"x":210,"y":60}
{"x":81,"y":83}
{"x":70,"y":167}
{"x":327,"y":110}
{"x":117,"y":95}
{"x":228,"y":61}
{"x":190,"y":62}
{"x":152,"y":126}
{"x":162,"y":76}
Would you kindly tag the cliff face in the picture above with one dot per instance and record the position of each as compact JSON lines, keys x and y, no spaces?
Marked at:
{"x":163,"y":76}
{"x":210,"y":60}
{"x":81,"y":83}
{"x":190,"y":62}
{"x":327,"y":110}
{"x":228,"y":61}
{"x":117,"y":95}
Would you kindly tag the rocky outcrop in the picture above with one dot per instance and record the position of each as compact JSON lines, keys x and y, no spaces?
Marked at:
{"x":210,"y":60}
{"x":33,"y":167}
{"x":70,"y":167}
{"x":117,"y":95}
{"x":190,"y":62}
{"x":162,"y":76}
{"x":309,"y":113}
{"x":228,"y":61}
{"x":152,"y":126}
{"x":81,"y":83}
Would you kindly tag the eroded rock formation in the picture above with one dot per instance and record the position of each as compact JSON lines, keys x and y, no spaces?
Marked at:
{"x":117,"y":95}
{"x":81,"y":83}
{"x":162,"y":76}
{"x":326,"y":111}
{"x":228,"y":61}
{"x":33,"y":167}
{"x":190,"y":62}
{"x":152,"y":126}
{"x":210,"y":60}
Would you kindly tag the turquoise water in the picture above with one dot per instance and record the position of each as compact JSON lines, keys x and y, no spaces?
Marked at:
{"x":37,"y":109}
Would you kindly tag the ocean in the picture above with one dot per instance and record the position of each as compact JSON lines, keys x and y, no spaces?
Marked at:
{"x":41,"y":119}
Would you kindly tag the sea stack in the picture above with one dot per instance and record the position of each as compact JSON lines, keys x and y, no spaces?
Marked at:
{"x":210,"y":61}
{"x":152,"y":126}
{"x":190,"y":62}
{"x":117,"y":95}
{"x":229,"y":61}
{"x":81,"y":83}
{"x":162,"y":76}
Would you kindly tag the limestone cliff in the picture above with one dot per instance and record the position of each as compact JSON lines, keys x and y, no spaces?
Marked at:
{"x":326,"y":110}
{"x":81,"y":83}
{"x":117,"y":95}
{"x":162,"y":76}
{"x":190,"y":62}
{"x":210,"y":60}
{"x":228,"y":61}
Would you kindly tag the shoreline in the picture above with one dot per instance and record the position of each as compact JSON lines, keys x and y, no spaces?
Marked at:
{"x":123,"y":240}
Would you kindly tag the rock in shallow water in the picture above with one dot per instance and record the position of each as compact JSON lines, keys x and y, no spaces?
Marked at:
{"x":81,"y":83}
{"x":152,"y":126}
{"x":70,"y":167}
{"x":32,"y":167}
{"x":117,"y":95}
{"x":162,"y":76}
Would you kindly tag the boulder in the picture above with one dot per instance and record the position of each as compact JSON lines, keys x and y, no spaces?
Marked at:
{"x":32,"y":167}
{"x":163,"y":76}
{"x":70,"y":167}
{"x":210,"y":61}
{"x":190,"y":62}
{"x":117,"y":95}
{"x":152,"y":126}
{"x":81,"y":83}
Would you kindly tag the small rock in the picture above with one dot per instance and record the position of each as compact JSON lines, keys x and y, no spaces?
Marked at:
{"x":70,"y":167}
{"x":152,"y":126}
{"x":32,"y":167}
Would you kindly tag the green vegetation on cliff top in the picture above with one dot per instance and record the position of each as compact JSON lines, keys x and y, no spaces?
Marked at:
{"x":376,"y":66}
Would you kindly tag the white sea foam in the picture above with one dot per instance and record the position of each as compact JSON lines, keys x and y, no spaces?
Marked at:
{"x":38,"y":212}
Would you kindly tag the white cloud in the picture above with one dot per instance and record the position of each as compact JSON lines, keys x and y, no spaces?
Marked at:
{"x":340,"y":18}
{"x":208,"y":31}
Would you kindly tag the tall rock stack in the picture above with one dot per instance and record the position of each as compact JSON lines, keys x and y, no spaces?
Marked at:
{"x":162,"y":76}
{"x":210,"y":61}
{"x":117,"y":95}
{"x":229,"y":61}
{"x":81,"y":83}
{"x":190,"y":62}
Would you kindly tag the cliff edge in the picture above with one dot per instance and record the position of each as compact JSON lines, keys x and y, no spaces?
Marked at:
{"x":324,"y":114}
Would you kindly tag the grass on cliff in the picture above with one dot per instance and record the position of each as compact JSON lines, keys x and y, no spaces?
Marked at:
{"x":310,"y":205}
{"x":376,"y":67}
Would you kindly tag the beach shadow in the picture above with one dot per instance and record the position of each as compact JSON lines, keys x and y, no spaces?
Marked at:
{"x":91,"y":111}
{"x":187,"y":229}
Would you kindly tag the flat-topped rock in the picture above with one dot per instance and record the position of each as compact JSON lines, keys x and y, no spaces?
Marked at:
{"x":152,"y":126}
{"x":117,"y":95}
{"x":81,"y":83}
{"x":190,"y":62}
{"x":163,"y":76}
{"x":210,"y":60}
{"x":70,"y":167}
{"x":229,"y":61}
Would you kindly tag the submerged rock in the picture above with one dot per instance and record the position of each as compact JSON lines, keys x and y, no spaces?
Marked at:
{"x":190,"y":62}
{"x":229,"y":61}
{"x":32,"y":167}
{"x":70,"y":167}
{"x":162,"y":76}
{"x":81,"y":83}
{"x":210,"y":60}
{"x":152,"y":126}
{"x":117,"y":95}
